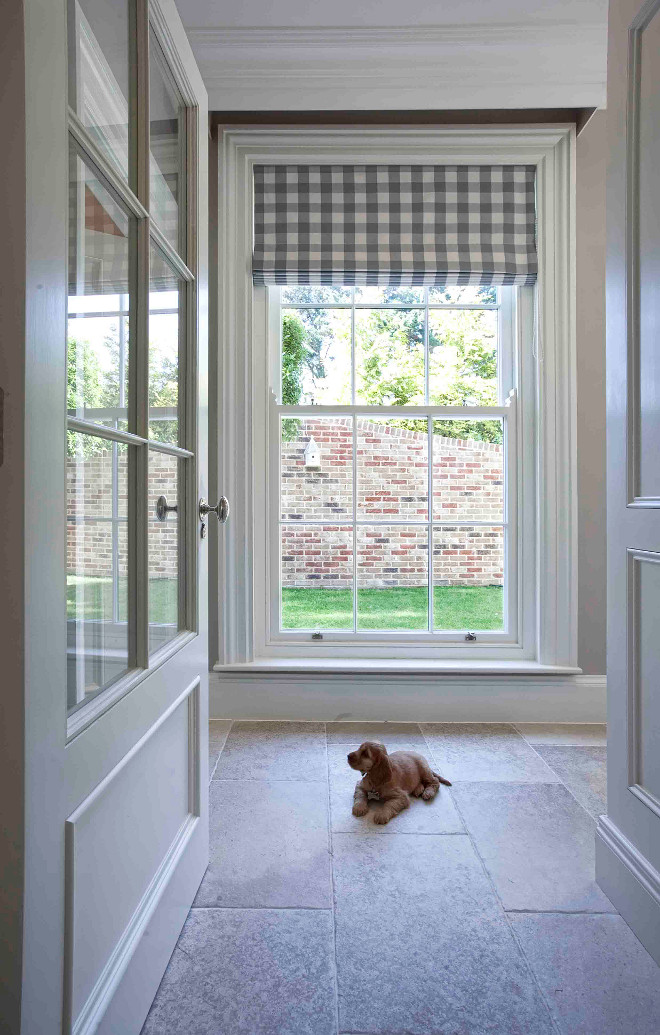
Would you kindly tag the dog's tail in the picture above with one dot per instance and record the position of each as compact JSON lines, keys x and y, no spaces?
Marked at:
{"x":447,"y":783}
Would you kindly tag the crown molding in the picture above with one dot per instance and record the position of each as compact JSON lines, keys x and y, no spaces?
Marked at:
{"x":482,"y":34}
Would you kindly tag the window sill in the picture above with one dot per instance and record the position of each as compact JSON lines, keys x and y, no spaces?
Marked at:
{"x":395,"y":667}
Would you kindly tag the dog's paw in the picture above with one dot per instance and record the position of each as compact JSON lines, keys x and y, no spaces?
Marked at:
{"x":430,"y":792}
{"x":381,"y":818}
{"x":360,"y":809}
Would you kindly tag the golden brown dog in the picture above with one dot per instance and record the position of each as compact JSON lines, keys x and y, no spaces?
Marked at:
{"x":391,"y":778}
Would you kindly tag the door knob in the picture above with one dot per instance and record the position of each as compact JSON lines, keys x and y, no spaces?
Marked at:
{"x":163,"y":508}
{"x":221,"y":509}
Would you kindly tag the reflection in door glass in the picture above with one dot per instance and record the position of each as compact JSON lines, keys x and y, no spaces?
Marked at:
{"x":99,"y":75}
{"x":97,"y":565}
{"x":163,"y":548}
{"x":166,"y":145}
{"x":165,"y":291}
{"x":98,"y":346}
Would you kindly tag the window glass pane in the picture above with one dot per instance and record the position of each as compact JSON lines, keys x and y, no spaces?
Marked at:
{"x":462,"y":295}
{"x":166,"y":145}
{"x":164,"y":558}
{"x":389,"y":295}
{"x":317,"y":577}
{"x":166,"y":291}
{"x":98,"y":345}
{"x":316,"y":356}
{"x":468,"y":470}
{"x":313,"y":295}
{"x":392,"y":577}
{"x":392,"y":467}
{"x":97,"y":543}
{"x":99,"y":74}
{"x":316,"y":468}
{"x":468,"y":577}
{"x":463,"y":357}
{"x":389,"y":356}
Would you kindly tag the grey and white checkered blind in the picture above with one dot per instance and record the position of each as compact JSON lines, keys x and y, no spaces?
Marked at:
{"x":394,"y":224}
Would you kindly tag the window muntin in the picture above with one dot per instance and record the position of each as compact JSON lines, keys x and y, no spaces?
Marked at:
{"x":387,"y":457}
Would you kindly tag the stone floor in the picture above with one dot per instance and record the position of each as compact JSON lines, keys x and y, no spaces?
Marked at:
{"x":475,"y":913}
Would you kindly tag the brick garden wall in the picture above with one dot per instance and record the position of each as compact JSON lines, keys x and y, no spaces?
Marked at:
{"x":392,"y":486}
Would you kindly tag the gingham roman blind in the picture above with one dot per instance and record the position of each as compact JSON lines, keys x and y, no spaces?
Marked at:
{"x":394,"y":224}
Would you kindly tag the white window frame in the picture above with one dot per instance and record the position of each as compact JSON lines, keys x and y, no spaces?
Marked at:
{"x":545,"y":342}
{"x":506,"y":409}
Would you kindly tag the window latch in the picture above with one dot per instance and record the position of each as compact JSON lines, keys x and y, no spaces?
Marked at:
{"x":470,"y":637}
{"x":317,"y":636}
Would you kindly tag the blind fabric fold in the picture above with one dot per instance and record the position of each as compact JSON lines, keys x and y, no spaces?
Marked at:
{"x":394,"y":224}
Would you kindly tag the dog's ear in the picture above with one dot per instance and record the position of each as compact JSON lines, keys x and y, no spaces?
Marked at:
{"x":381,"y":770}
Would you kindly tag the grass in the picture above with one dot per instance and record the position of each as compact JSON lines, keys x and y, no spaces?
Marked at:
{"x":454,"y":607}
{"x":163,"y":599}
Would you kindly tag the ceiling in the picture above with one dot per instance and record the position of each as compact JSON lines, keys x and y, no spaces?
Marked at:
{"x":377,"y":54}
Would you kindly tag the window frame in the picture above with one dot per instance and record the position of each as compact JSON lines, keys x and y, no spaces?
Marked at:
{"x":547,"y":638}
{"x":507,"y":409}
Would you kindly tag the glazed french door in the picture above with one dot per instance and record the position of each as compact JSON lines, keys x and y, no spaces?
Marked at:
{"x":116,"y":808}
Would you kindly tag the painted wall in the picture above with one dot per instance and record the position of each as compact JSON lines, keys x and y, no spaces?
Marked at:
{"x":591,"y":167}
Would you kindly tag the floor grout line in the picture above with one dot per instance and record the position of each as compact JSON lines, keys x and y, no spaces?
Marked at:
{"x":299,"y":909}
{"x":523,"y":955}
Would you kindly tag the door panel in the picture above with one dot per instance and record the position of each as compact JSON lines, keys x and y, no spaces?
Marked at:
{"x":116,"y":818}
{"x":628,"y":842}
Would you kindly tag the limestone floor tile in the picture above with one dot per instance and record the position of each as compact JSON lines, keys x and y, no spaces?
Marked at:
{"x":484,"y":751}
{"x":218,"y":733}
{"x":423,"y":817}
{"x":403,"y":734}
{"x":268,"y":845}
{"x":587,"y":734}
{"x":249,"y":972}
{"x":537,"y":844}
{"x":596,"y":976}
{"x":583,"y":770}
{"x":422,"y":945}
{"x":274,"y":750}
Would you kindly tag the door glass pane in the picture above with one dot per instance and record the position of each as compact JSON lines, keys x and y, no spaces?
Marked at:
{"x":99,"y":77}
{"x":393,"y":577}
{"x":165,"y":325}
{"x":98,"y":342}
{"x":97,"y":565}
{"x":166,"y":145}
{"x":164,"y":549}
{"x":468,"y":577}
{"x":317,"y":577}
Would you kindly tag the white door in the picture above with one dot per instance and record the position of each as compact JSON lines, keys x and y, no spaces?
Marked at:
{"x":116,"y":837}
{"x":628,"y":845}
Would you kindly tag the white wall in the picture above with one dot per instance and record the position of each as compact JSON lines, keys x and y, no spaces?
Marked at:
{"x":591,"y":167}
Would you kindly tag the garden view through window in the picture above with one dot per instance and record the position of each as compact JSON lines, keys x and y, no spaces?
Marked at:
{"x":393,"y":434}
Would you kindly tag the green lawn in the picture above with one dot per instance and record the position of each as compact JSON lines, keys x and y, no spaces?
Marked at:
{"x":163,"y":602}
{"x":454,"y":607}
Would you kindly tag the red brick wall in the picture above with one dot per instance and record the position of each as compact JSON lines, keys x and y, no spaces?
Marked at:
{"x":392,"y":484}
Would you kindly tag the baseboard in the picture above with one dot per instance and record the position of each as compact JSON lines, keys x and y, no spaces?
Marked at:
{"x":630,"y":882}
{"x":335,"y":697}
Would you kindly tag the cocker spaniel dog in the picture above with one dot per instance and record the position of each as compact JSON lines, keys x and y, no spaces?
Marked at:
{"x":390,"y":779}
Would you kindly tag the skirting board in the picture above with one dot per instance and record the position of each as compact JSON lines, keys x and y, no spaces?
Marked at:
{"x":631,"y":884}
{"x":332,"y":697}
